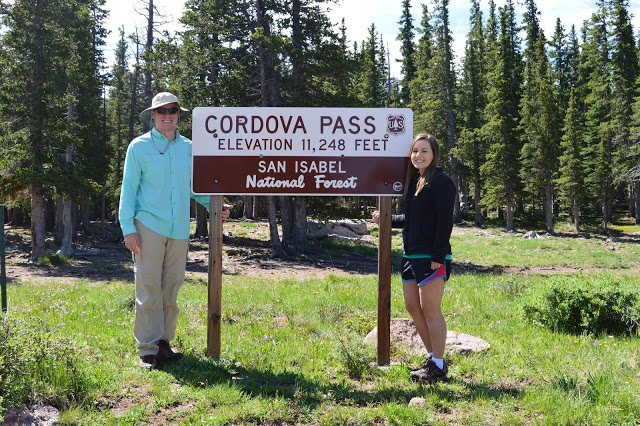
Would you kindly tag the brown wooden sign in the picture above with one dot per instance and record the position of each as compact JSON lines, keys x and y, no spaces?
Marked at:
{"x":300,"y":151}
{"x":298,"y":175}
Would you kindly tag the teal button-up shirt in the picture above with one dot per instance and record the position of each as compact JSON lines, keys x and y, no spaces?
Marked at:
{"x":156,"y":187}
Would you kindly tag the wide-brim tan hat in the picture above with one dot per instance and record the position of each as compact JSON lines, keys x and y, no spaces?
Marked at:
{"x":159,"y":100}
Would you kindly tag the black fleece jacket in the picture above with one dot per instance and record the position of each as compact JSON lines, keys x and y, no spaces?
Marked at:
{"x":428,"y":218}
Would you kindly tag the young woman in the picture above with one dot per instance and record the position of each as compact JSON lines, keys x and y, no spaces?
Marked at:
{"x":427,"y":221}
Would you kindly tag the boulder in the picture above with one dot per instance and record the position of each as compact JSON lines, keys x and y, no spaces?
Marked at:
{"x":317,"y":230}
{"x":42,"y":415}
{"x":404,"y":334}
{"x":420,"y":402}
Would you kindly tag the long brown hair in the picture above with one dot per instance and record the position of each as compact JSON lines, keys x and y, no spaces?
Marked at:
{"x":429,"y":172}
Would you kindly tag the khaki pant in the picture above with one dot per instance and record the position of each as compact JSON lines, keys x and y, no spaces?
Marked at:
{"x":159,"y":273}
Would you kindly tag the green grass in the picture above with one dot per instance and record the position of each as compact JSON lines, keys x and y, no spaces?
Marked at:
{"x":292,"y":351}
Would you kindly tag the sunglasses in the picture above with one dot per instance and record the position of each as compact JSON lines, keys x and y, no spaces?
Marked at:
{"x":163,"y":111}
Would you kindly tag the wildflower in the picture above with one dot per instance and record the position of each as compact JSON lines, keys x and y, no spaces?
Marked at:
{"x":330,"y":407}
{"x":600,"y":364}
{"x":595,"y":344}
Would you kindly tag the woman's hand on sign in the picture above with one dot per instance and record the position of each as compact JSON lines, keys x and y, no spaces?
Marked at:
{"x":375,"y":216}
{"x":226,"y":211}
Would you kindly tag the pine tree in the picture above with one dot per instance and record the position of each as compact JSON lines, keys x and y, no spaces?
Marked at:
{"x":407,"y":51}
{"x":570,"y":179}
{"x":624,"y":75}
{"x":371,"y":76}
{"x":471,"y":146}
{"x":595,"y":72}
{"x":118,"y":115}
{"x":502,"y":167}
{"x":32,"y":87}
{"x":559,"y":66}
{"x":633,"y":154}
{"x":540,"y":129}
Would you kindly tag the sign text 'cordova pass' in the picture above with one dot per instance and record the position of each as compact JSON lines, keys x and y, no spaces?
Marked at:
{"x":305,"y":151}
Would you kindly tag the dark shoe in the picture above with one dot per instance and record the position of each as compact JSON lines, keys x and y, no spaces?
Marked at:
{"x":148,"y":361}
{"x":424,"y":365}
{"x":165,"y":354}
{"x":431,"y":372}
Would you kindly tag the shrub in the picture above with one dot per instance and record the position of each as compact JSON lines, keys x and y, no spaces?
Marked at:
{"x":353,"y":354}
{"x":35,"y":367}
{"x":578,"y":305}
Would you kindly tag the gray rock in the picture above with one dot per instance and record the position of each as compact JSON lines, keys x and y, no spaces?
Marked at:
{"x":317,"y":230}
{"x":420,"y":402}
{"x":404,"y":334}
{"x":38,"y":415}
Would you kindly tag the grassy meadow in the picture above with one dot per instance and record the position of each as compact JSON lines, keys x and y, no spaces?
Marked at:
{"x":292,"y":350}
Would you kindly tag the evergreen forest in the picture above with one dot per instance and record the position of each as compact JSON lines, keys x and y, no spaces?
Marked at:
{"x":532,"y":125}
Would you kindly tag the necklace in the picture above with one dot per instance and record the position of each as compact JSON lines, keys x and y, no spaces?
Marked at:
{"x":154,"y":144}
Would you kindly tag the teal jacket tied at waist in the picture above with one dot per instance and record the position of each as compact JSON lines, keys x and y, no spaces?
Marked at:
{"x":156,"y":187}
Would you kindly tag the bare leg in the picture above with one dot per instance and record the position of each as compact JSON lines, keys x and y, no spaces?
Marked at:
{"x":412,"y":302}
{"x":430,"y":300}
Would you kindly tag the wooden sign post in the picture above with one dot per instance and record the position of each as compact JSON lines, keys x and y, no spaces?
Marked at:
{"x":384,"y":280}
{"x":214,"y":311}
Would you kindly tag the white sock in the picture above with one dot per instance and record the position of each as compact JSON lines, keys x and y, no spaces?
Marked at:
{"x":439,"y":362}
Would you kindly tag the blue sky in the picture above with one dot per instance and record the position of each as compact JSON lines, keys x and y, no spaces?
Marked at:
{"x":385,"y":14}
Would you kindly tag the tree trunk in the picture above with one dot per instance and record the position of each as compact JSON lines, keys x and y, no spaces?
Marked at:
{"x":66,"y":248}
{"x":510,"y":226}
{"x":103,"y":214}
{"x":576,"y":215}
{"x":286,"y":219}
{"x":201,"y":221}
{"x":300,"y":227}
{"x":548,"y":208}
{"x":248,"y":203}
{"x":477,"y":195}
{"x":278,"y":251}
{"x":636,"y":196}
{"x":38,"y":248}
{"x":58,"y":227}
{"x":85,"y":216}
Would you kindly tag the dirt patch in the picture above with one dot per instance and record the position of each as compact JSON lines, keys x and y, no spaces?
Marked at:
{"x":246,"y":251}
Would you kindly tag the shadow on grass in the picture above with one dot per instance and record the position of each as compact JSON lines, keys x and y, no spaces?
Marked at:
{"x":298,"y":389}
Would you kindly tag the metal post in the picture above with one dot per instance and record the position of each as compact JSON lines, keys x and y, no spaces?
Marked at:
{"x":3,"y":272}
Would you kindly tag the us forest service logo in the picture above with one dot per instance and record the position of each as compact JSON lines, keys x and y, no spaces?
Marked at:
{"x":396,"y":124}
{"x":397,"y":186}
